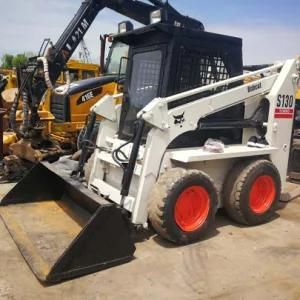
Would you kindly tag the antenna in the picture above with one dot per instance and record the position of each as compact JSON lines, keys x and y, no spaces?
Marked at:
{"x":84,"y":53}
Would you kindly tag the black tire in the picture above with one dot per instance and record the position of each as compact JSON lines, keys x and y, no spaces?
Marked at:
{"x":165,"y":199}
{"x":238,"y":192}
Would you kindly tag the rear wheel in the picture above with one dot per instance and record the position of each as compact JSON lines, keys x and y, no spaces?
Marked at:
{"x":252,"y":192}
{"x":183,"y":205}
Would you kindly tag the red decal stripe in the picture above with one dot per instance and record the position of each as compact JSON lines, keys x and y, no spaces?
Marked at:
{"x":284,"y":111}
{"x":284,"y":116}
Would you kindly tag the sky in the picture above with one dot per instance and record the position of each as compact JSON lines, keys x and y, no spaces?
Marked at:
{"x":270,"y":29}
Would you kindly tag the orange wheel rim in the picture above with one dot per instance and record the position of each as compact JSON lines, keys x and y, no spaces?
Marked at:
{"x":192,"y":208}
{"x":262,"y":194}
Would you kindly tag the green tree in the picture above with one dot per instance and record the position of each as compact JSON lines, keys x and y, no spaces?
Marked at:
{"x":19,"y":60}
{"x":7,"y":61}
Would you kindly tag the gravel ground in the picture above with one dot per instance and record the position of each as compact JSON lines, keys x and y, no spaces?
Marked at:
{"x":233,"y":263}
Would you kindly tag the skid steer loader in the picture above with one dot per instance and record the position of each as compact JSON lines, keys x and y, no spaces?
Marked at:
{"x":152,"y":163}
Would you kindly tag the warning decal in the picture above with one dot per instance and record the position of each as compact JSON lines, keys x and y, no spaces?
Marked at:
{"x":285,"y":107}
{"x":284,"y":113}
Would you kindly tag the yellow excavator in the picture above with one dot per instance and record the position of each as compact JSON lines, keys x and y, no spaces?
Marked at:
{"x":63,"y":116}
{"x":44,"y":136}
{"x":77,"y":70}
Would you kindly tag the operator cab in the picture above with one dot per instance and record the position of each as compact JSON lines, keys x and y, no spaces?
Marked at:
{"x":114,"y":62}
{"x":112,"y":72}
{"x":165,"y":60}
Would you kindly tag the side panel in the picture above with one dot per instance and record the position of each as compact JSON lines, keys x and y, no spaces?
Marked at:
{"x":282,"y":105}
{"x":81,"y":103}
{"x":218,"y":170}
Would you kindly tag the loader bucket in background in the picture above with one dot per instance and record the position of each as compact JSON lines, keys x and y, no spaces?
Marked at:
{"x":62,"y":229}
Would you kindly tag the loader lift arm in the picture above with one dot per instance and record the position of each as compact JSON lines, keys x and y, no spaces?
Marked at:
{"x":33,"y":85}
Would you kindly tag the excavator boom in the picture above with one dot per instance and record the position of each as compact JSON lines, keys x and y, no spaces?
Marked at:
{"x":33,"y":85}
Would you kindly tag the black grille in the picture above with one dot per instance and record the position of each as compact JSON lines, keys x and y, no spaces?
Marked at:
{"x":198,"y":69}
{"x":144,"y":86}
{"x":60,"y":108}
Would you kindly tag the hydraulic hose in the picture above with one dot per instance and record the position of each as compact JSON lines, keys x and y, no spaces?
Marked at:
{"x":129,"y":169}
{"x":85,"y":151}
{"x":14,"y":108}
{"x":25,"y":123}
{"x":59,"y":91}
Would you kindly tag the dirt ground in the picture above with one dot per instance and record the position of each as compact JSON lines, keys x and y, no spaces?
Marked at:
{"x":234,"y":263}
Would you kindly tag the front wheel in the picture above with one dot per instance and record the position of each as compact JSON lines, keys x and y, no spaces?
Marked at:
{"x":183,"y":205}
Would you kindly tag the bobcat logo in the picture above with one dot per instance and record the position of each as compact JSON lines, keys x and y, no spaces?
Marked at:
{"x":179,"y":120}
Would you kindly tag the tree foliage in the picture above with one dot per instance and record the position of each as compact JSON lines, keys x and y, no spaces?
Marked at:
{"x":19,"y":60}
{"x":9,"y":61}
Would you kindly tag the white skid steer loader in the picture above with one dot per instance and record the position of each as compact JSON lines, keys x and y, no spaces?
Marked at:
{"x":179,"y":190}
{"x":151,"y":163}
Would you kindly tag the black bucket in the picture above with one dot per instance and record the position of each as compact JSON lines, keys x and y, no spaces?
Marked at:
{"x":62,"y":229}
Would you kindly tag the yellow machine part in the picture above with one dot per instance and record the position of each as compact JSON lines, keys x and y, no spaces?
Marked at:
{"x":45,"y":116}
{"x":80,"y":71}
{"x":11,"y":78}
{"x":66,"y":132}
{"x":298,"y":95}
{"x":77,"y":69}
{"x":9,"y":138}
{"x":79,"y":112}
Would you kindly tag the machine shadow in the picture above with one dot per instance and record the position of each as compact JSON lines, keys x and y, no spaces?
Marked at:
{"x":222,"y":220}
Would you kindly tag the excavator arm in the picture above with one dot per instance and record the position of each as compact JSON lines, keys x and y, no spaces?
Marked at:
{"x":38,"y":75}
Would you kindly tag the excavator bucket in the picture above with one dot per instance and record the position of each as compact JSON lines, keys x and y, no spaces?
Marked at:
{"x":62,"y":229}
